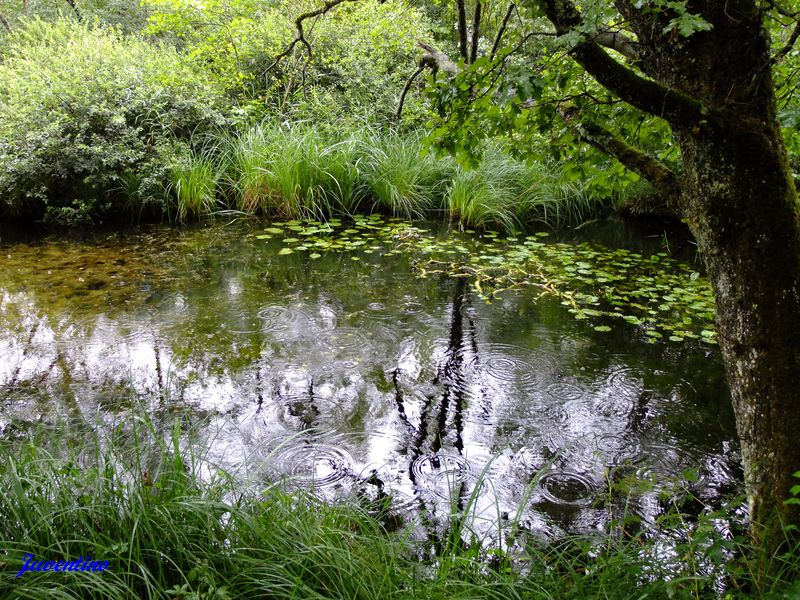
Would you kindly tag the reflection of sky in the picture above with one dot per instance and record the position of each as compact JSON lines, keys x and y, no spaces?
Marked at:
{"x":355,"y":378}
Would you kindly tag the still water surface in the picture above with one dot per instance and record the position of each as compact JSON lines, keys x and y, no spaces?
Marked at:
{"x":354,"y":376}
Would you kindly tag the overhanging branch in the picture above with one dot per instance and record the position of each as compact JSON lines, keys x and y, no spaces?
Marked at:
{"x":645,"y":94}
{"x":407,"y":86}
{"x":644,"y":165}
{"x":300,"y":38}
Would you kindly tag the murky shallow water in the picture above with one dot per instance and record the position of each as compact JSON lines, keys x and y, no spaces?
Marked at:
{"x":352,"y":375}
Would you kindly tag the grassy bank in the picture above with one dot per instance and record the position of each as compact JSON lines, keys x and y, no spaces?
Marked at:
{"x":296,"y":171}
{"x":139,"y":502}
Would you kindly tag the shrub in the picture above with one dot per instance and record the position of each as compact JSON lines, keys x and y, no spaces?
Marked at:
{"x":91,"y":119}
{"x":362,"y":53}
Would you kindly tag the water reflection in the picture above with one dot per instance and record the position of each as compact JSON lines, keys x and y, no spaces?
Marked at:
{"x":355,"y":377}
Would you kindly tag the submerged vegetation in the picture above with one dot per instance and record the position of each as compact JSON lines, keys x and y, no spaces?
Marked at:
{"x":171,"y":525}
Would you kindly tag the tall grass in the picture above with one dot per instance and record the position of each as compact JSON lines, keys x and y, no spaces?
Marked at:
{"x":401,"y":179}
{"x":295,"y":171}
{"x":193,"y":181}
{"x":137,"y":499}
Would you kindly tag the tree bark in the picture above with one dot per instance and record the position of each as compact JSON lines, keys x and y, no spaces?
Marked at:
{"x":741,"y":205}
{"x":715,"y":90}
{"x":462,"y":29}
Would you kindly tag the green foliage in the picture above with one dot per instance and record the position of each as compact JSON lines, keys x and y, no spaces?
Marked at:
{"x":193,"y":179}
{"x":400,"y":178}
{"x":90,"y":119}
{"x":173,"y":525}
{"x":126,"y":15}
{"x":361,"y":52}
{"x":233,"y":40}
{"x":297,"y":171}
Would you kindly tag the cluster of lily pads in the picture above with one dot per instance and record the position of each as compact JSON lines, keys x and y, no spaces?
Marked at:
{"x":664,"y":297}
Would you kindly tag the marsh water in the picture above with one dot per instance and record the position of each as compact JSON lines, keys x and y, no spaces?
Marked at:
{"x":348,"y":374}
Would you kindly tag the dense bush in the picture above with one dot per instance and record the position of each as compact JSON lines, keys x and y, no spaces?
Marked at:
{"x":362,"y":53}
{"x":91,"y":119}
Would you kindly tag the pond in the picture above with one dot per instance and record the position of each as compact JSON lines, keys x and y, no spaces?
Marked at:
{"x":379,"y":359}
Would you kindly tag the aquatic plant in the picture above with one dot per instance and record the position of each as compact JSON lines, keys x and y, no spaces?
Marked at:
{"x":402,"y":180}
{"x":661,"y":296}
{"x":296,"y":171}
{"x":193,"y":182}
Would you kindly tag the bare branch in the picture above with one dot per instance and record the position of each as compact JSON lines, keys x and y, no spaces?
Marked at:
{"x":407,"y":87}
{"x":300,"y":38}
{"x":502,"y":30}
{"x":476,"y":28}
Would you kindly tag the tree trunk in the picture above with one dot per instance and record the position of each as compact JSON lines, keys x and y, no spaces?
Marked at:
{"x":741,"y":205}
{"x":715,"y":89}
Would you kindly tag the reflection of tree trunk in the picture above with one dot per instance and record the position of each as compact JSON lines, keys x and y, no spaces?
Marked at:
{"x":453,"y":376}
{"x":15,"y":375}
{"x":400,"y":401}
{"x":259,"y":387}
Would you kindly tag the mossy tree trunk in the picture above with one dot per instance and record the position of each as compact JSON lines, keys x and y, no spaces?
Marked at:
{"x":715,"y":90}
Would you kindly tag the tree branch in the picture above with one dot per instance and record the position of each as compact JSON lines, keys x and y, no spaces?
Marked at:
{"x":300,"y":38}
{"x":782,"y":11}
{"x":645,"y":94}
{"x":781,"y":54}
{"x":502,"y":30}
{"x":438,"y":58}
{"x":476,"y":28}
{"x":407,"y":86}
{"x":662,"y":177}
{"x":619,"y":42}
